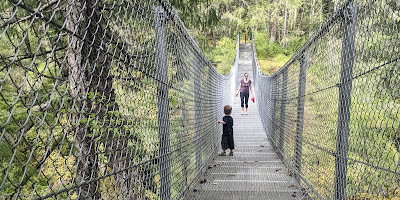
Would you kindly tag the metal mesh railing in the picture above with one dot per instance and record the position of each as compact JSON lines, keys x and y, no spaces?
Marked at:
{"x":104,"y":100}
{"x":333,"y":111}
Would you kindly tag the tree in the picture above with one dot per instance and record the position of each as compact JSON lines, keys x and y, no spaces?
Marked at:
{"x":267,"y":25}
{"x":285,"y":25}
{"x":275,"y":23}
{"x":312,"y":12}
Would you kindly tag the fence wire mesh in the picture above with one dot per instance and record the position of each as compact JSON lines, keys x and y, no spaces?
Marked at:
{"x":333,"y":111}
{"x":104,"y":100}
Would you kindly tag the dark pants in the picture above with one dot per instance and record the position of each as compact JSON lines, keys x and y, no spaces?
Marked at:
{"x":244,"y":99}
{"x":227,"y":142}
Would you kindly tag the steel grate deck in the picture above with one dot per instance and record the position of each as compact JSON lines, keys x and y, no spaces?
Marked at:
{"x":255,"y":171}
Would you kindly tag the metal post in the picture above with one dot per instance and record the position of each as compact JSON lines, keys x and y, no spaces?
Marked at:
{"x":346,"y":73}
{"x":283,"y":111}
{"x":182,"y":148}
{"x":197,"y":114}
{"x":275,"y":94}
{"x":269,"y":102}
{"x":253,"y":62}
{"x":162,"y":102}
{"x":300,"y":113}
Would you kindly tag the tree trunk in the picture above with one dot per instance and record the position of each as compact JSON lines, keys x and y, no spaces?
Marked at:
{"x":274,"y":26}
{"x":312,"y":10}
{"x":311,"y":26}
{"x":96,"y":78}
{"x":214,"y":37}
{"x":301,"y":19}
{"x":335,"y":7}
{"x":321,"y":11}
{"x":290,"y":21}
{"x":107,"y":110}
{"x":285,"y":27}
{"x":327,"y":6}
{"x":267,"y":25}
{"x":205,"y":38}
{"x":86,"y":163}
{"x":294,"y":19}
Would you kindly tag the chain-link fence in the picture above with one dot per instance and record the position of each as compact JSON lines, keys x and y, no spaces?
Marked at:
{"x":104,"y":100}
{"x":333,"y":111}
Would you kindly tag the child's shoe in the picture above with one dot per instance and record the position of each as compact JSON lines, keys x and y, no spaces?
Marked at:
{"x":222,"y":154}
{"x":231,"y":154}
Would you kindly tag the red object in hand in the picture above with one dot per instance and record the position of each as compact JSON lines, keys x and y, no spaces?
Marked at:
{"x":253,"y":99}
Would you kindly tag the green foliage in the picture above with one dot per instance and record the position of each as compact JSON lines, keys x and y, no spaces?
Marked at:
{"x":294,"y":43}
{"x":223,"y":55}
{"x":270,"y":57}
{"x":261,"y":44}
{"x":274,"y":49}
{"x":265,"y":50}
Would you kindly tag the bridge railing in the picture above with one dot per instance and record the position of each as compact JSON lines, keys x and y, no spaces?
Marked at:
{"x":104,"y":100}
{"x":332,"y":112}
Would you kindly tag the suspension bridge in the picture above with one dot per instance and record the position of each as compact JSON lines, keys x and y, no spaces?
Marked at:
{"x":115,"y":100}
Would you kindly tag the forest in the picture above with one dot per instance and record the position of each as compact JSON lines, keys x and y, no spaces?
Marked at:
{"x":279,"y":27}
{"x":79,"y":87}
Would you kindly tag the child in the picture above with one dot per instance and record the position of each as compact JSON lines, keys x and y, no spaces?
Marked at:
{"x":227,"y":134}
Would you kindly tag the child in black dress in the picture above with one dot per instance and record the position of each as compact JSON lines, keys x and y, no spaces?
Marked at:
{"x":227,"y":134}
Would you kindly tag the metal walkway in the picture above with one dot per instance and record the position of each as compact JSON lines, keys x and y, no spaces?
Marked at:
{"x":255,"y":171}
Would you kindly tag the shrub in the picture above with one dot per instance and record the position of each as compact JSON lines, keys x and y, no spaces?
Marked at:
{"x":223,"y":55}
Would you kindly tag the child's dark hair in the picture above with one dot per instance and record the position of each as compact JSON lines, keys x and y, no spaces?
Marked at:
{"x":227,"y":109}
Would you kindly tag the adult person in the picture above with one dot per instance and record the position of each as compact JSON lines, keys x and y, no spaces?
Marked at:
{"x":244,"y":89}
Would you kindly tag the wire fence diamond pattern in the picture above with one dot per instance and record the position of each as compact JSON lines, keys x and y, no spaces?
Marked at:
{"x":104,"y":100}
{"x":332,"y":112}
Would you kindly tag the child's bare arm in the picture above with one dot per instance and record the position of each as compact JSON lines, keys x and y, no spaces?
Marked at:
{"x":221,"y":122}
